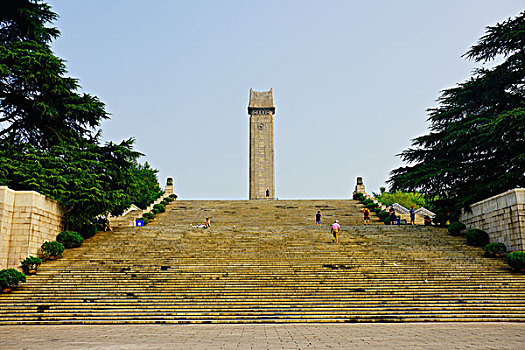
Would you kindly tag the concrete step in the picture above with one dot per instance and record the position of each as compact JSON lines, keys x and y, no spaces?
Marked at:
{"x":267,"y":262}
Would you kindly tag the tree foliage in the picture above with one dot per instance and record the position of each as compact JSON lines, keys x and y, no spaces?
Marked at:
{"x":48,"y":140}
{"x":84,"y":177}
{"x":476,"y":144}
{"x":406,"y":199}
{"x":145,"y":186}
{"x":39,"y":104}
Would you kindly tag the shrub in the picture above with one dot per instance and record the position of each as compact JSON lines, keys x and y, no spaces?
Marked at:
{"x":456,"y":228}
{"x":88,"y":231}
{"x":386,"y":221}
{"x":516,"y":260}
{"x":30,"y":264}
{"x":174,"y":196}
{"x":383,"y":215}
{"x":441,"y":219}
{"x":361,"y":198}
{"x":477,"y":237}
{"x":495,"y":249}
{"x":52,"y":249}
{"x":160,"y":207}
{"x":377,"y":210}
{"x":371,"y":206}
{"x":169,"y":199}
{"x":149,"y":216}
{"x":10,"y":278}
{"x":367,"y":201}
{"x":356,"y":195}
{"x":155,"y":211}
{"x":70,"y":239}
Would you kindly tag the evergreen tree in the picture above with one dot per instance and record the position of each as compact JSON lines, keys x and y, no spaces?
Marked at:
{"x":146,"y":187}
{"x":39,"y":104}
{"x":476,"y":145}
{"x":48,"y":141}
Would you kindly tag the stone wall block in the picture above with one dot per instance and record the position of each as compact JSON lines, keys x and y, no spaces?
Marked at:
{"x":502,"y":216}
{"x":31,"y":219}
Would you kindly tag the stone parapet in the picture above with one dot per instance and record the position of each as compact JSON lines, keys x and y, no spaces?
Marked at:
{"x":128,"y":219}
{"x":502,"y":217}
{"x":27,"y":219}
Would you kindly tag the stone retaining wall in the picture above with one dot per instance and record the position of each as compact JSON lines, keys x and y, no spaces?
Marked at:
{"x":502,"y":217}
{"x":27,"y":219}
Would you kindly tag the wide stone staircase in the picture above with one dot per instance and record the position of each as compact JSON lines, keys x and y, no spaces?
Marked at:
{"x":267,"y":261}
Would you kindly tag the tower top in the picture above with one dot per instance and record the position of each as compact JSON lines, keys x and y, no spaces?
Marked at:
{"x":262,"y":100}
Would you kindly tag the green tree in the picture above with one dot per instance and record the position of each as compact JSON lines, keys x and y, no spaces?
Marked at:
{"x":406,"y":199}
{"x":87,"y":179}
{"x":39,"y":104}
{"x":476,"y":145}
{"x":48,"y":141}
{"x":145,"y":187}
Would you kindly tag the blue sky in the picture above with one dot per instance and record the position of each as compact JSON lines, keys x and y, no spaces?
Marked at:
{"x":352,"y":81}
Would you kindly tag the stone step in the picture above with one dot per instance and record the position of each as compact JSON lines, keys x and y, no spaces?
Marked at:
{"x":267,"y":262}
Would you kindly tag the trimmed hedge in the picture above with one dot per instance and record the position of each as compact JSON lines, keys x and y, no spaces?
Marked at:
{"x":10,"y":278}
{"x":372,"y":206}
{"x":160,"y":207}
{"x":30,"y":263}
{"x":516,"y":260}
{"x":149,"y":215}
{"x":495,"y":249}
{"x":52,"y":249}
{"x":386,"y":221}
{"x":477,"y":237}
{"x":383,"y":215}
{"x":377,"y":210}
{"x":70,"y":239}
{"x":456,"y":228}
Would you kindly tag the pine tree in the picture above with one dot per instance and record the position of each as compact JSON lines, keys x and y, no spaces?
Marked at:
{"x":476,"y":145}
{"x":39,"y":104}
{"x":48,"y":141}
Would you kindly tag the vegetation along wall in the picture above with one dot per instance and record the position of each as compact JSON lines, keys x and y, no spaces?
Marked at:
{"x":502,"y":216}
{"x":27,"y":219}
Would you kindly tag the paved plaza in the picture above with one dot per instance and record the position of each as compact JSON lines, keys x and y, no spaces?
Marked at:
{"x":268,"y":336}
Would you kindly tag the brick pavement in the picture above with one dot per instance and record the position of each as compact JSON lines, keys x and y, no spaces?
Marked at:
{"x":267,"y":336}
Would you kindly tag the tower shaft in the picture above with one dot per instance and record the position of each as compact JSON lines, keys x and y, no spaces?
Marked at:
{"x":262,"y":179}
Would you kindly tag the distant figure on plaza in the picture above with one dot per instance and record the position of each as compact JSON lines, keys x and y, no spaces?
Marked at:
{"x":366,"y":218}
{"x":412,"y":215}
{"x":318,"y":217}
{"x":207,"y":223}
{"x":335,"y":231}
{"x":392,"y":213}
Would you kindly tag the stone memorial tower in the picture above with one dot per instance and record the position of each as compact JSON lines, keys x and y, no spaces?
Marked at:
{"x":261,"y":111}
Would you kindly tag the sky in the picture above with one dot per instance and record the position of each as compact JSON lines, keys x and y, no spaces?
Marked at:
{"x":352,"y":81}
